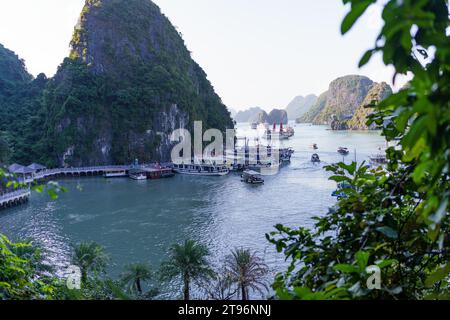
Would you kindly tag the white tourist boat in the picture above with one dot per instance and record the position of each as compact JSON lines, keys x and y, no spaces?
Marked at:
{"x":115,"y":174}
{"x":201,"y":169}
{"x":138,"y":176}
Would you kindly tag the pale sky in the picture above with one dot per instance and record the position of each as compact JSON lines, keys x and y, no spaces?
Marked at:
{"x":255,"y":52}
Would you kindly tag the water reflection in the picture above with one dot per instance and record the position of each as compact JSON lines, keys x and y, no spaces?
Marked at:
{"x":139,"y":220}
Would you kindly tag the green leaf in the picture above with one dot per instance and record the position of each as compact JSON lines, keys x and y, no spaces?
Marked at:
{"x":438,"y":275}
{"x":388,"y":232}
{"x":385,"y":263}
{"x":365,"y":58}
{"x":357,"y":10}
{"x":346,"y":268}
{"x":362,"y":258}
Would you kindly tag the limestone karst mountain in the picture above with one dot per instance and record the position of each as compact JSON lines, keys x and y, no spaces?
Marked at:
{"x":300,"y":105}
{"x":341,"y":106}
{"x":128,"y":83}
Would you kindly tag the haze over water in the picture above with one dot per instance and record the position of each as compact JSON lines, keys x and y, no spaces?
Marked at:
{"x":137,"y":221}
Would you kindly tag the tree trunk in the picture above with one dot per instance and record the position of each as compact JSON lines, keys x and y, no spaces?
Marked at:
{"x":186,"y":286}
{"x":138,"y":285}
{"x":83,"y":276}
{"x":244,"y":293}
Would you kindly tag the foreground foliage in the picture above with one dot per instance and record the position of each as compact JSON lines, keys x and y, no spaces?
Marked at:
{"x":24,"y":275}
{"x":397,"y":219}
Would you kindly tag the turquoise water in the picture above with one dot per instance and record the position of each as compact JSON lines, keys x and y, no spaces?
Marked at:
{"x":139,"y":220}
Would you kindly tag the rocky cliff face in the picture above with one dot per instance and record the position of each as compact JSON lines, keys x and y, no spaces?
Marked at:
{"x":300,"y":105}
{"x":20,"y":102}
{"x":128,"y":83}
{"x":377,"y":93}
{"x":345,"y":95}
{"x":12,"y":71}
{"x":315,"y":110}
{"x":340,"y":102}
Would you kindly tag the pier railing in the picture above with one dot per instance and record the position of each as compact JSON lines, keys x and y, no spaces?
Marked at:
{"x":58,"y":171}
{"x":13,"y":196}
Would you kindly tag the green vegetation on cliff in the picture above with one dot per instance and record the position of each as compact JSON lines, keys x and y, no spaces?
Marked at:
{"x":127,"y":84}
{"x":19,"y":108}
{"x":315,"y":110}
{"x":343,"y":105}
{"x":377,"y":93}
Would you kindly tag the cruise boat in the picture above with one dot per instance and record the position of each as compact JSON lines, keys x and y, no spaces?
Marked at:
{"x":115,"y":174}
{"x":281,"y":134}
{"x":254,"y":126}
{"x":203,"y":169}
{"x":378,"y":160}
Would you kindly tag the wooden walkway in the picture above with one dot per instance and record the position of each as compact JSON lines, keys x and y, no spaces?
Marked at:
{"x":21,"y":196}
{"x":14,"y":198}
{"x":70,"y":172}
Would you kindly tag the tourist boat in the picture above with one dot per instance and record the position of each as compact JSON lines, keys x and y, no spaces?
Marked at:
{"x":315,"y":158}
{"x":203,"y":169}
{"x":282,"y":134}
{"x":378,"y":159}
{"x":254,"y":126}
{"x":339,"y":193}
{"x":286,"y":154}
{"x":252,"y":177}
{"x":115,"y":174}
{"x":138,"y":176}
{"x":343,"y":151}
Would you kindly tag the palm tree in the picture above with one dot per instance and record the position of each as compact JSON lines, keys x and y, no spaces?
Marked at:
{"x":247,"y":270}
{"x":135,"y":275}
{"x":89,"y":256}
{"x":187,"y":261}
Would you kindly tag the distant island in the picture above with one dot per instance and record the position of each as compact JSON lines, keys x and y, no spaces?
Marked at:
{"x":258,"y":115}
{"x":300,"y":105}
{"x":344,"y":106}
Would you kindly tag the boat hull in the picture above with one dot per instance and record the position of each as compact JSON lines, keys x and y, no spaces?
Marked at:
{"x":206,"y":174}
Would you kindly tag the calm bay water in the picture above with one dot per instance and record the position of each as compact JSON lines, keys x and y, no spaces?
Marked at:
{"x":138,"y":220}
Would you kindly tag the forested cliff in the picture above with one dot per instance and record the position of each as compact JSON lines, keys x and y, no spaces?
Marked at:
{"x":128,"y":83}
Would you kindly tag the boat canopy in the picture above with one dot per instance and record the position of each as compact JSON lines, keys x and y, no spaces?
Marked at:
{"x":251,"y":173}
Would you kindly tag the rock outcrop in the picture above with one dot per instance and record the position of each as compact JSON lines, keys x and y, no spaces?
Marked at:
{"x":248,"y":115}
{"x":315,"y":110}
{"x":342,"y":106}
{"x":277,"y":116}
{"x":377,"y":93}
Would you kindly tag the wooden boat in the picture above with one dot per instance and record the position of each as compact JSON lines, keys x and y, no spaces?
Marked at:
{"x":203,"y":169}
{"x":343,"y":151}
{"x":115,"y":174}
{"x":378,"y":160}
{"x":315,"y":158}
{"x":252,"y":177}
